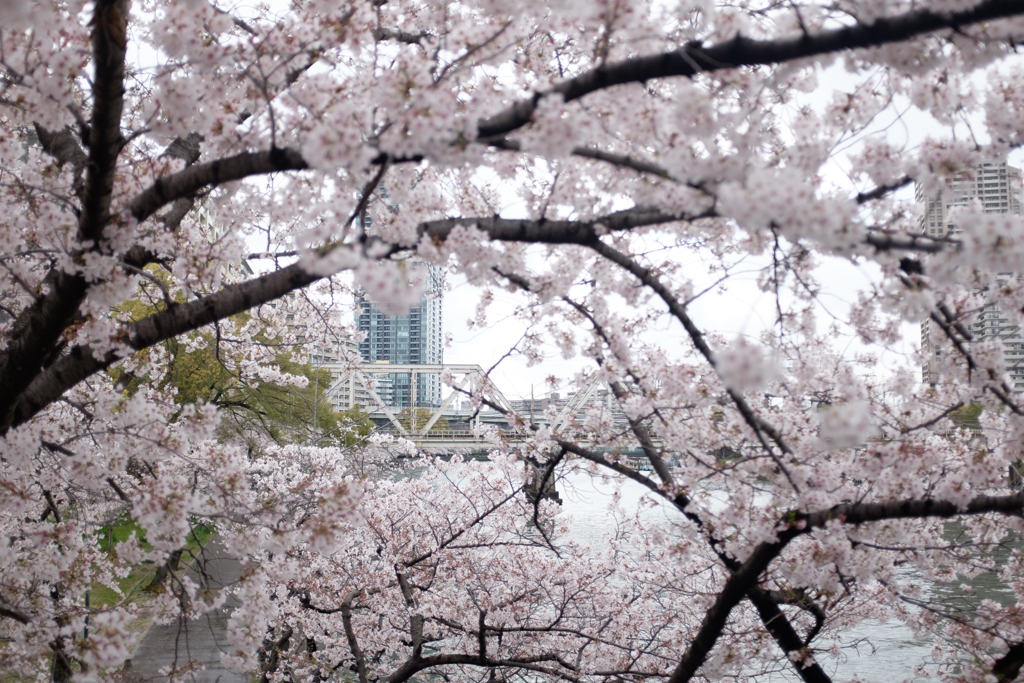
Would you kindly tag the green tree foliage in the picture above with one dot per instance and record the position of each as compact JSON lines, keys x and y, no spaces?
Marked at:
{"x":286,"y":414}
{"x":354,"y":426}
{"x":405,"y":418}
{"x":968,"y":416}
{"x":200,"y":369}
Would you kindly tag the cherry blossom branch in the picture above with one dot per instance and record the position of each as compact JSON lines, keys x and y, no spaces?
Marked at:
{"x":80,"y":362}
{"x":364,"y":196}
{"x":109,"y":36}
{"x":882,"y":190}
{"x":798,"y":524}
{"x":693,"y":58}
{"x":622,"y":160}
{"x":415,"y":619}
{"x":458,"y":534}
{"x":1008,"y":667}
{"x":544,"y":231}
{"x":800,"y":599}
{"x":781,"y":629}
{"x":415,"y":665}
{"x":599,"y":459}
{"x":548,"y":475}
{"x":275,"y":647}
{"x":915,"y":508}
{"x":551,"y":628}
{"x":213,"y":173}
{"x":644,"y":166}
{"x":350,"y":635}
{"x":17,"y":615}
{"x":638,"y":428}
{"x":119,"y":491}
{"x":456,"y":65}
{"x":647,"y":277}
{"x":895,"y":240}
{"x":240,"y":23}
{"x":775,"y":622}
{"x":935,"y":420}
{"x":384,"y":33}
{"x":40,"y":325}
{"x":64,"y":148}
{"x":960,"y":336}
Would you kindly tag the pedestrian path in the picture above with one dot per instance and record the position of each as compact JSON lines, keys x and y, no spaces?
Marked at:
{"x":200,"y":641}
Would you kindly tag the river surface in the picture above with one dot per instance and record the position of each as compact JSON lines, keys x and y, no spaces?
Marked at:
{"x":886,"y":652}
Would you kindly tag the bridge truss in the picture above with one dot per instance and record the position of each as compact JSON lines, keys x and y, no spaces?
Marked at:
{"x":465,"y":379}
{"x":353,"y":384}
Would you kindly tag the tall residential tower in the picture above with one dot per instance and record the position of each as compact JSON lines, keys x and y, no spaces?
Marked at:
{"x":996,"y":187}
{"x":415,"y":338}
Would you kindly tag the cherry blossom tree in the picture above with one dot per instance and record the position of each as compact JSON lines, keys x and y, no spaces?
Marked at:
{"x":202,"y":173}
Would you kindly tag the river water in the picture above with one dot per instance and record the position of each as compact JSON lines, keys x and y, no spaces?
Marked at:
{"x":886,"y":652}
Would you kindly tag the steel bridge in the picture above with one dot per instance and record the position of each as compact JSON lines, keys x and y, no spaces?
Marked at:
{"x":350,"y":381}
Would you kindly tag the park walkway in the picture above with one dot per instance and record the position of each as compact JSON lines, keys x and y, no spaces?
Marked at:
{"x":201,"y":640}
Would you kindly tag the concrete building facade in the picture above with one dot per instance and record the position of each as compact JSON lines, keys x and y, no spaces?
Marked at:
{"x":996,"y":186}
{"x":344,"y":391}
{"x":415,"y":338}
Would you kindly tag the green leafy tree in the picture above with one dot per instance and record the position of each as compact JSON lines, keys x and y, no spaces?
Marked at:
{"x":967,"y":416}
{"x":354,"y":426}
{"x":423,"y":415}
{"x":201,"y":369}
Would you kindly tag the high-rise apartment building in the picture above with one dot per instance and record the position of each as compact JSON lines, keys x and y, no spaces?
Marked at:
{"x":414,"y":339}
{"x":344,"y":390}
{"x":996,"y":187}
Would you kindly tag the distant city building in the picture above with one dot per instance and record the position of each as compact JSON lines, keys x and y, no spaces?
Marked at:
{"x":538,"y":406}
{"x":415,"y":338}
{"x":346,"y":391}
{"x":572,"y":406}
{"x":996,"y":186}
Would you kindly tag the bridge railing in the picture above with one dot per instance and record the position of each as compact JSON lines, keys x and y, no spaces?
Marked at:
{"x":467,"y":434}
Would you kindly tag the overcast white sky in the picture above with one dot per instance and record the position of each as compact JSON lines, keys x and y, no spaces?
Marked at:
{"x":738,"y":308}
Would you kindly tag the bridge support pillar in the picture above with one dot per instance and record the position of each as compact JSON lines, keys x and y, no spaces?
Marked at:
{"x":540,"y":487}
